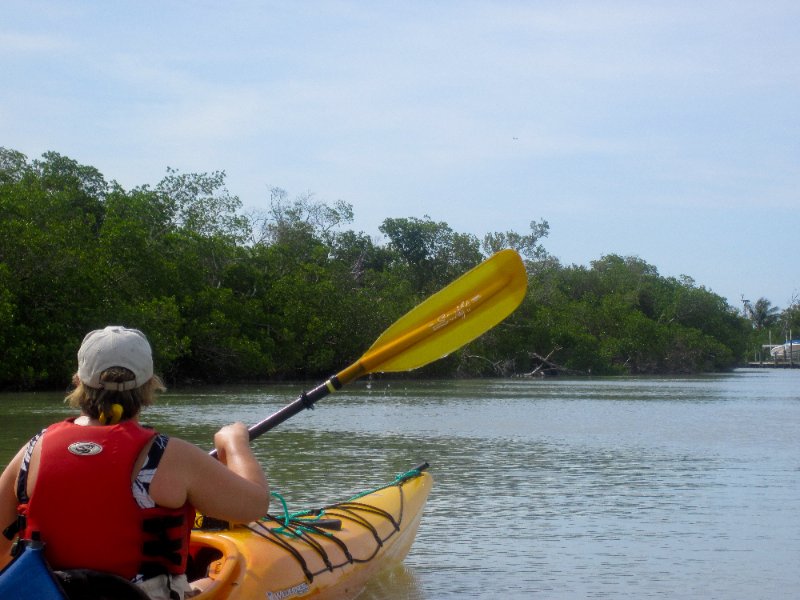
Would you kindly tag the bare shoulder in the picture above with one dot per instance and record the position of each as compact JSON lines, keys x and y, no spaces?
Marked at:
{"x":212,"y":487}
{"x":178,"y":449}
{"x":180,"y":466}
{"x":186,"y":462}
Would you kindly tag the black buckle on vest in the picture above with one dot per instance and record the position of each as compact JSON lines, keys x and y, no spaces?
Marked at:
{"x":163,"y":546}
{"x":169,"y":550}
{"x":12,"y":530}
{"x":159,"y":525}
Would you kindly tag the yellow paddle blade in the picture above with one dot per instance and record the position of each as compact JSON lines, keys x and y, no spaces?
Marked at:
{"x":465,"y":309}
{"x":454,"y":316}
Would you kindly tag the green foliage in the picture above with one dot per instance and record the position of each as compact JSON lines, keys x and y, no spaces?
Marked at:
{"x":769,"y":325}
{"x":790,"y":321}
{"x":528,"y":246}
{"x":293,"y":294}
{"x":761,"y":314}
{"x":430,"y":254}
{"x":620,"y":316}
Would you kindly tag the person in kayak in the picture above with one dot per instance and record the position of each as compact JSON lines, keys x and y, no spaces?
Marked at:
{"x":107,"y":494}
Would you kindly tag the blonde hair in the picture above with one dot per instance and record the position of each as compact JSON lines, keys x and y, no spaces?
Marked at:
{"x":96,"y":402}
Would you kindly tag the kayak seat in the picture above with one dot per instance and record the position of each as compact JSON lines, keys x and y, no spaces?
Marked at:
{"x":214,"y":565}
{"x":200,"y":562}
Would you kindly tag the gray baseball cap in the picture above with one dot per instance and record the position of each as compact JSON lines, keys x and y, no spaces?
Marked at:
{"x":115,"y":346}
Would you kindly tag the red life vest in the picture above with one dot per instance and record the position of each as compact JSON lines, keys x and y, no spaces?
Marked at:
{"x":83,"y":506}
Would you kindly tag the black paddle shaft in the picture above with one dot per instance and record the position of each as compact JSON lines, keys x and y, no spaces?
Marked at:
{"x":304,"y":401}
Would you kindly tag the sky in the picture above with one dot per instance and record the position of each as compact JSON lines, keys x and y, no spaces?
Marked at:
{"x":669,"y":131}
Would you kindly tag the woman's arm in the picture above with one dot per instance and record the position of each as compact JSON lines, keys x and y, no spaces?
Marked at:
{"x":233,"y":450}
{"x":8,"y":503}
{"x":233,"y":488}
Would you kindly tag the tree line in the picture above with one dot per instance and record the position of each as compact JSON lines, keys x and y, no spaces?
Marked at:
{"x":292,"y":293}
{"x":771,"y":325}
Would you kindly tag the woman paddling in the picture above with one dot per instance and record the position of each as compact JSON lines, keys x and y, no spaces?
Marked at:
{"x":107,"y":494}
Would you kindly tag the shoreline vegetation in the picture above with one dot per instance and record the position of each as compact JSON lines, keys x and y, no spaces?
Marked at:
{"x":293,"y":294}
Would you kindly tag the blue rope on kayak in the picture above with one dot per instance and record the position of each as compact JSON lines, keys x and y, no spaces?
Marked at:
{"x":399,"y":478}
{"x":293,"y":528}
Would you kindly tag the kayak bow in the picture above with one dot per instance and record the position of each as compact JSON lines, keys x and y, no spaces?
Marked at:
{"x":326,"y":553}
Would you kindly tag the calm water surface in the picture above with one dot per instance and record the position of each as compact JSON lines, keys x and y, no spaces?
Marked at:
{"x":558,"y":488}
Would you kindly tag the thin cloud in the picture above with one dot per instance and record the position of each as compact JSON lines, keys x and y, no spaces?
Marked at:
{"x":631,"y":126}
{"x":21,"y":46}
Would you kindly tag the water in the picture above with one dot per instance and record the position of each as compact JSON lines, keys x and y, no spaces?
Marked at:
{"x":558,"y":488}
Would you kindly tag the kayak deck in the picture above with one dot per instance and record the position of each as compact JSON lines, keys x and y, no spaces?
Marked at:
{"x":329,"y":553}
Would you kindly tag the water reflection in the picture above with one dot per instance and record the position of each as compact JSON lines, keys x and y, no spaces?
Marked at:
{"x":399,"y":583}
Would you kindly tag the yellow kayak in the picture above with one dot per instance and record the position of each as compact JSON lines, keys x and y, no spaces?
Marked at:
{"x":326,"y":553}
